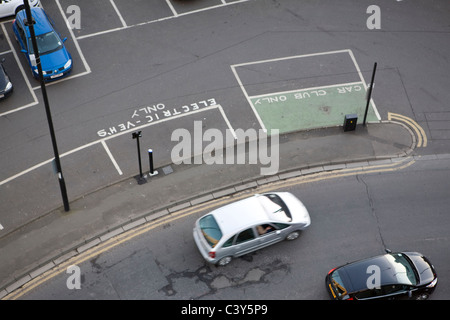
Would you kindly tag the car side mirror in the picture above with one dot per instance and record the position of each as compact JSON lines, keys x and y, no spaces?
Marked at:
{"x":65,"y":39}
{"x":23,"y":51}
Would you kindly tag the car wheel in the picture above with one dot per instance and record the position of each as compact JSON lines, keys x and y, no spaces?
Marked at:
{"x":422,"y":296}
{"x":293,"y":235}
{"x":224,"y":261}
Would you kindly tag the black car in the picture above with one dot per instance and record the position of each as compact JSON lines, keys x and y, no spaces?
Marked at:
{"x":402,"y":275}
{"x":6,"y":86}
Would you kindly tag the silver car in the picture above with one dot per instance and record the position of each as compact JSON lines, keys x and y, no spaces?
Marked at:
{"x":248,"y":225}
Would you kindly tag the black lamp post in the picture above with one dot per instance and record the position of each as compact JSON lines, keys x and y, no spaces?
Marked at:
{"x":30,"y":22}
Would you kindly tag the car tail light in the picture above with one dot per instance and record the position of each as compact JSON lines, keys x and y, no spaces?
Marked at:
{"x":329,"y":272}
{"x":212,"y":254}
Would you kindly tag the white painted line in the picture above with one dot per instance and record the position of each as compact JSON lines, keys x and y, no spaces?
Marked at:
{"x":348,"y":51}
{"x":124,"y":24}
{"x":27,"y":82}
{"x":1,"y":227}
{"x":5,"y":52}
{"x":77,"y":46}
{"x":175,"y":15}
{"x":111,"y":157}
{"x":261,"y":123}
{"x":365,"y":85}
{"x":290,"y":57}
{"x":217,"y":106}
{"x":308,"y":89}
{"x":227,"y":121}
{"x":174,"y":12}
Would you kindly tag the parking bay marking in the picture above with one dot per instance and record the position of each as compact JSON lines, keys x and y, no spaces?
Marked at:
{"x":249,"y":98}
{"x":150,"y":225}
{"x":27,"y":82}
{"x":216,"y":106}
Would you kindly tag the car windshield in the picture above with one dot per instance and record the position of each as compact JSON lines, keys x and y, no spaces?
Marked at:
{"x":276,"y":207}
{"x":47,"y":43}
{"x":403,"y":270}
{"x":210,"y":230}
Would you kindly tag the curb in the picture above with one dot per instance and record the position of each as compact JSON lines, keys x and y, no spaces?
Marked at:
{"x":214,"y":194}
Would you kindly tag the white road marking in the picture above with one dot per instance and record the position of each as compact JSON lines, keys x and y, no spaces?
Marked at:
{"x":362,"y":79}
{"x":1,"y":227}
{"x":233,"y":68}
{"x":217,"y":106}
{"x":124,"y":24}
{"x":175,"y":15}
{"x":27,"y":82}
{"x":111,"y":157}
{"x":172,"y":8}
{"x":77,"y":46}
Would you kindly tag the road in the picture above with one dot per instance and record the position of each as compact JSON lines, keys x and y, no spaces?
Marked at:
{"x":353,"y":217}
{"x":160,"y":67}
{"x":137,"y":65}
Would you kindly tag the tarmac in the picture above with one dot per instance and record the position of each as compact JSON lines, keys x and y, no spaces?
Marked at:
{"x":41,"y":245}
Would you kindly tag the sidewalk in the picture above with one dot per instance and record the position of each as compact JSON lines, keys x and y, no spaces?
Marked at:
{"x":59,"y":235}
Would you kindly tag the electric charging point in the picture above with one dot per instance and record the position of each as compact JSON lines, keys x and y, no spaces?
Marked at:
{"x":350,"y":122}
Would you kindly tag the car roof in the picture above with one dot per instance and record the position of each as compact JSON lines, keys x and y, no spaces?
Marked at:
{"x":42,"y":24}
{"x":356,"y":274}
{"x":242,"y":214}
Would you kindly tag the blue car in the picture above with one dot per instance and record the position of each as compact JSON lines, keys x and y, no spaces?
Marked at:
{"x":56,"y":61}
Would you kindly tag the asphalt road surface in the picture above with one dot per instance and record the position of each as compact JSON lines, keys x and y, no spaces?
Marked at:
{"x":353,"y":217}
{"x":156,"y":67}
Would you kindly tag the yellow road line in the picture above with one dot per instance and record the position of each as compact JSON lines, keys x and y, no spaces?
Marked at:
{"x":128,"y":235}
{"x":421,"y":136}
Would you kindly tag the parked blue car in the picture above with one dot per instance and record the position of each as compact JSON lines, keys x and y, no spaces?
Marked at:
{"x":56,"y":61}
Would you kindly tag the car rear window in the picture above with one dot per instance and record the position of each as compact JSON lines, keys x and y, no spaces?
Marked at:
{"x":277,"y":207}
{"x":338,"y":284}
{"x":210,"y":230}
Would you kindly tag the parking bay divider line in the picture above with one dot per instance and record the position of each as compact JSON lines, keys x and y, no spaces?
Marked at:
{"x":27,"y":82}
{"x":102,"y":140}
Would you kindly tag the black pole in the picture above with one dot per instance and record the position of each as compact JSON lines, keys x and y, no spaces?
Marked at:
{"x":137,"y":135}
{"x":150,"y":159}
{"x":62,"y":183}
{"x":369,"y":96}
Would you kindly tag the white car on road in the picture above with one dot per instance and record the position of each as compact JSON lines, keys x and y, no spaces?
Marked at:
{"x":248,"y":225}
{"x":11,"y":7}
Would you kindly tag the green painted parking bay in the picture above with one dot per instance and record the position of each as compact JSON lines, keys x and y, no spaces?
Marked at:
{"x":313,"y":108}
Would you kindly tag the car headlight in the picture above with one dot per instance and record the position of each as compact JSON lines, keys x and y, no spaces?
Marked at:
{"x":8,"y":86}
{"x":68,"y":64}
{"x":432,"y":284}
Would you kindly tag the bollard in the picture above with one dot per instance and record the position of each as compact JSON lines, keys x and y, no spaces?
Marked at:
{"x":150,"y":159}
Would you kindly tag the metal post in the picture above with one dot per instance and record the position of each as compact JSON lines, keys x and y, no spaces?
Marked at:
{"x":137,"y":135}
{"x":62,"y":183}
{"x":369,"y":96}
{"x":150,"y":159}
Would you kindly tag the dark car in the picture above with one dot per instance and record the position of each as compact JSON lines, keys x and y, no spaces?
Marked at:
{"x":402,"y":275}
{"x":6,"y":87}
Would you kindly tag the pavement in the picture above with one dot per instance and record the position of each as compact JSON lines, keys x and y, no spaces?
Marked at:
{"x":39,"y":246}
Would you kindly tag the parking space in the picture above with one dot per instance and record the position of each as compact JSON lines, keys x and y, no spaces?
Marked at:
{"x":306,"y":91}
{"x":23,"y":95}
